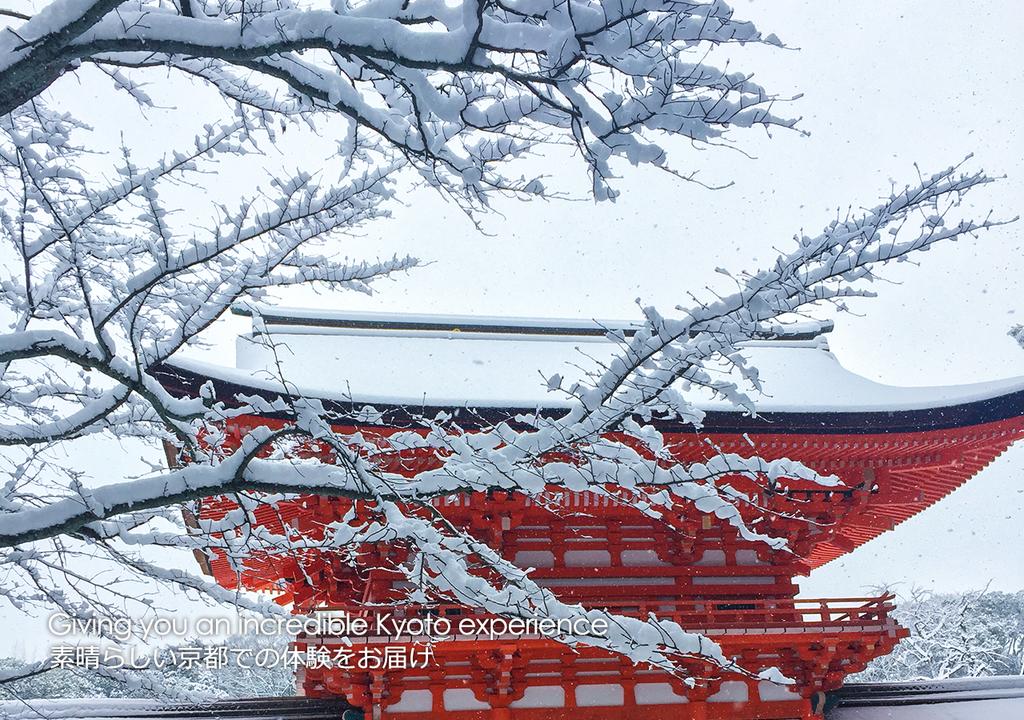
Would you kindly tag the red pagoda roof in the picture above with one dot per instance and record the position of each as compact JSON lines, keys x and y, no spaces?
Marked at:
{"x":896,"y":451}
{"x":415,"y":365}
{"x":390,"y":371}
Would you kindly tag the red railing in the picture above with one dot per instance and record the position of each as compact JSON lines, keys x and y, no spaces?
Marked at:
{"x":713,"y":617}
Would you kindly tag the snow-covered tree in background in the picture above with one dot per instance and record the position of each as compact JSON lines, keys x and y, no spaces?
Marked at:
{"x":177,"y":679}
{"x":1017,"y":333}
{"x":104,"y":278}
{"x":954,"y":635}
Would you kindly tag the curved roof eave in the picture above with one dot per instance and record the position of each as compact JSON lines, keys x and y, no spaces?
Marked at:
{"x":952,"y":407}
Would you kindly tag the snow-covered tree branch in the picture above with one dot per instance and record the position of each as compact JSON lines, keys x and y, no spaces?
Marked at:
{"x":457,"y":88}
{"x":571,"y":452}
{"x":104,"y":280}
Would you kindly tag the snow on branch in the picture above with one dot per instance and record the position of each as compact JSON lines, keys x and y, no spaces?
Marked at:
{"x":456,"y":89}
{"x":111,"y":268}
{"x":971,"y":634}
{"x":126,"y":321}
{"x":1017,"y":333}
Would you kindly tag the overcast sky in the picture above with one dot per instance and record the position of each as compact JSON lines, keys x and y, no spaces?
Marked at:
{"x":885,"y":85}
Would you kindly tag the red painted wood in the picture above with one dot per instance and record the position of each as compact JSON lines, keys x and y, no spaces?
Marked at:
{"x":692,"y":568}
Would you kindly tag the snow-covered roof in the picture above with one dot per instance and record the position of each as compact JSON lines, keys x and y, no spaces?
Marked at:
{"x":272,"y":708}
{"x":958,"y":699}
{"x":488,"y":362}
{"x":974,"y":698}
{"x":420,"y":361}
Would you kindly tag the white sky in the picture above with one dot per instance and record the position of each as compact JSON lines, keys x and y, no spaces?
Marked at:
{"x":885,"y":84}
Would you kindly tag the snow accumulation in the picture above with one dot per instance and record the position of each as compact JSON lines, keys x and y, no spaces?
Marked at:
{"x":387,"y":359}
{"x":966,"y":710}
{"x":79,"y":708}
{"x":963,"y":698}
{"x":272,"y":708}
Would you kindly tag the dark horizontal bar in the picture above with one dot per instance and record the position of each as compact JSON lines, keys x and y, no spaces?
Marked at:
{"x":931,"y":692}
{"x":446,"y":327}
{"x":271,"y":708}
{"x":453,"y":325}
{"x":184,"y":382}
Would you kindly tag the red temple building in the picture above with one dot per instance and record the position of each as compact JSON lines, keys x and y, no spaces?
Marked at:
{"x":897,"y":450}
